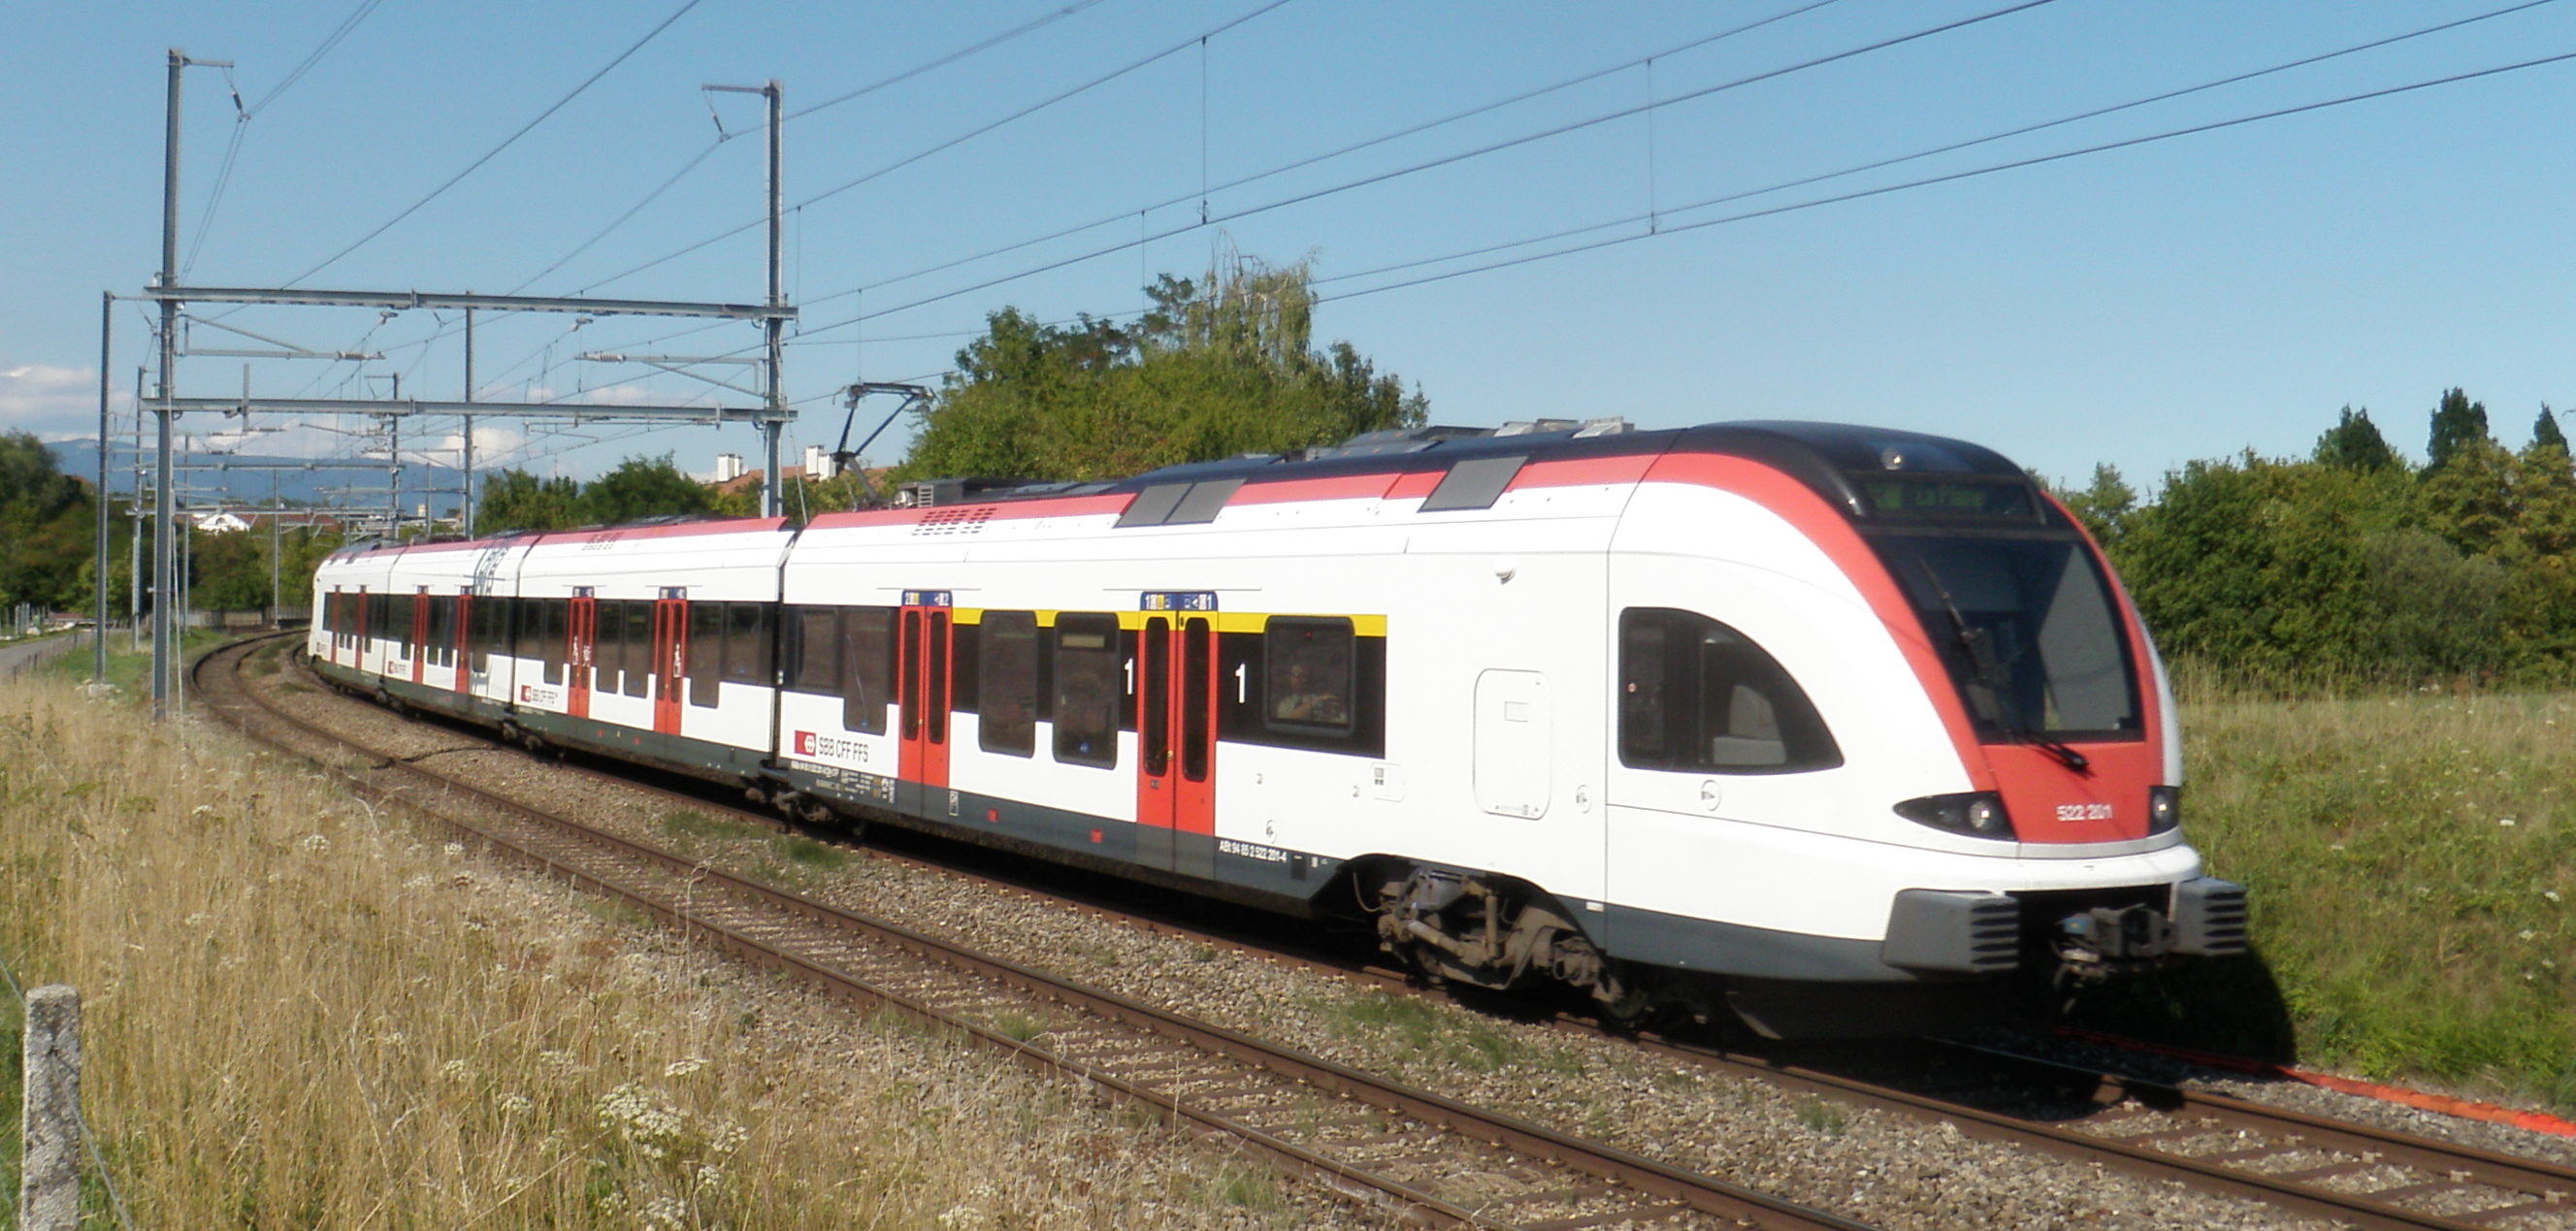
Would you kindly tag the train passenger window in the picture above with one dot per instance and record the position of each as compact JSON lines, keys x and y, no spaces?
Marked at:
{"x":639,"y":647}
{"x":817,"y":649}
{"x":1090,"y":682}
{"x":607,"y":644}
{"x":1007,"y":683}
{"x":867,"y":666}
{"x":1307,"y":674}
{"x":478,"y":632}
{"x":746,"y":652}
{"x":706,"y":652}
{"x":555,"y":643}
{"x":1699,"y":696}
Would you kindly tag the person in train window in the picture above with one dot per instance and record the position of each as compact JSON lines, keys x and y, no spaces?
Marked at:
{"x":1301,"y":699}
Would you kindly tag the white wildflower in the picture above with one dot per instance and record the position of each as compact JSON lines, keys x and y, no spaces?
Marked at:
{"x":664,"y":1212}
{"x":2550,"y":894}
{"x":642,"y":1117}
{"x":516,"y":1105}
{"x":315,"y":843}
{"x":727,"y":1137}
{"x":456,"y":1070}
{"x":455,"y":850}
{"x":557,"y":1061}
{"x":685,"y":1066}
{"x":2525,"y":934}
{"x":2505,"y":821}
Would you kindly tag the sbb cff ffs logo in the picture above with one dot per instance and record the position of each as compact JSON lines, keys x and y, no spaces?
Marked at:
{"x":829,"y":747}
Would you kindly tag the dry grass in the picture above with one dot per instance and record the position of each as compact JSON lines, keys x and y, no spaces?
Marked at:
{"x":2412,"y":859}
{"x":302,"y":1013}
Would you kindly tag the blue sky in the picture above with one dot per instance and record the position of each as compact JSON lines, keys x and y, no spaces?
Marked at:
{"x":2143,"y":306}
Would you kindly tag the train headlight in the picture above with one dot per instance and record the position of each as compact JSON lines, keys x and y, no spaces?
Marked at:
{"x":1978,"y":814}
{"x":2164,"y":809}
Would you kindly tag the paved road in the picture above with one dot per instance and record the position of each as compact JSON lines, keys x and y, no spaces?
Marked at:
{"x":18,"y":659}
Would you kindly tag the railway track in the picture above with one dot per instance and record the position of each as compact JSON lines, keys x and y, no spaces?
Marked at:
{"x":1437,"y":1160}
{"x":2309,"y":1165}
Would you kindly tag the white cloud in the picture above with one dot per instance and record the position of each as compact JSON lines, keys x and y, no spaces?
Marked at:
{"x":54,"y":403}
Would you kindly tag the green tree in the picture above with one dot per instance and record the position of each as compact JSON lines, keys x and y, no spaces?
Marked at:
{"x":2474,"y":498}
{"x":1218,"y":367}
{"x":2545,"y":430}
{"x":46,"y":523}
{"x":2354,"y":443}
{"x":2456,"y":422}
{"x":2260,"y":565}
{"x":517,"y":500}
{"x":2105,"y":508}
{"x":643,"y":487}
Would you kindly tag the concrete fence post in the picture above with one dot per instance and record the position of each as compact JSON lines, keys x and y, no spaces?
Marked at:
{"x":49,"y":1177}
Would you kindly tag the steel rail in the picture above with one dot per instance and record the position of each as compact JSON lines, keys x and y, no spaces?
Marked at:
{"x":1695,"y":1192}
{"x":2544,"y":1188}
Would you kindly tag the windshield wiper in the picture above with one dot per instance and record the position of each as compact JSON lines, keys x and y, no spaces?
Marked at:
{"x":1973,"y":642}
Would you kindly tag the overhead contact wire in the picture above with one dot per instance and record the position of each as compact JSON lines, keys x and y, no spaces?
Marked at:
{"x":495,"y":151}
{"x":1971,"y":173}
{"x":960,"y":139}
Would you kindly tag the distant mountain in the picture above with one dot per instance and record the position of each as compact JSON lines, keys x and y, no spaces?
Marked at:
{"x":79,"y":458}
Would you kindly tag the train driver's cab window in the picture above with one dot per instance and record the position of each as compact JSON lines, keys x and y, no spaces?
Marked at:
{"x":1090,"y":682}
{"x":1699,"y":696}
{"x":1307,"y":675}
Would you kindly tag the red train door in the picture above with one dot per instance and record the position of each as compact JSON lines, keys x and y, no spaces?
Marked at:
{"x":459,"y":652}
{"x":420,"y":640}
{"x":579,"y":636}
{"x":670,"y":656}
{"x":1175,"y":732}
{"x":922,"y":687}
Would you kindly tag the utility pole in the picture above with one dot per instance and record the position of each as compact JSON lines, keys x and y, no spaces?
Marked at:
{"x":467,"y":510}
{"x":777,"y":94}
{"x":134,"y":511}
{"x":162,"y":668}
{"x":98,"y":574}
{"x":393,"y":470}
{"x":165,"y":667}
{"x":775,"y":423}
{"x":276,"y":560}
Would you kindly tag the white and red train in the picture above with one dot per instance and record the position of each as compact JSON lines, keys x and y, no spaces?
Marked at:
{"x":1742,"y":711}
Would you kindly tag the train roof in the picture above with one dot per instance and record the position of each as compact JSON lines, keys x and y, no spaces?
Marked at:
{"x":1836,"y":460}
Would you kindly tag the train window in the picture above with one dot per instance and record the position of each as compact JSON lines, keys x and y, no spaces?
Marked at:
{"x":1007,"y":683}
{"x":555,"y":643}
{"x":867,"y":667}
{"x":938,"y":690}
{"x":817,"y":649}
{"x":403,"y":621}
{"x":1090,"y":682}
{"x":639,"y":647}
{"x":1307,"y":674}
{"x":747,"y":654}
{"x":1699,"y":696}
{"x":706,"y":652}
{"x":1198,"y":688}
{"x":607,"y":644}
{"x":478,"y":633}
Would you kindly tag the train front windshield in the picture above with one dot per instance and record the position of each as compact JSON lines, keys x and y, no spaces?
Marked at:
{"x":2029,"y":628}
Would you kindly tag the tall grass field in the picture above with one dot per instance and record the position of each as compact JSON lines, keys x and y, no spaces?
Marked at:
{"x":300,"y":1011}
{"x":2412,"y":865}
